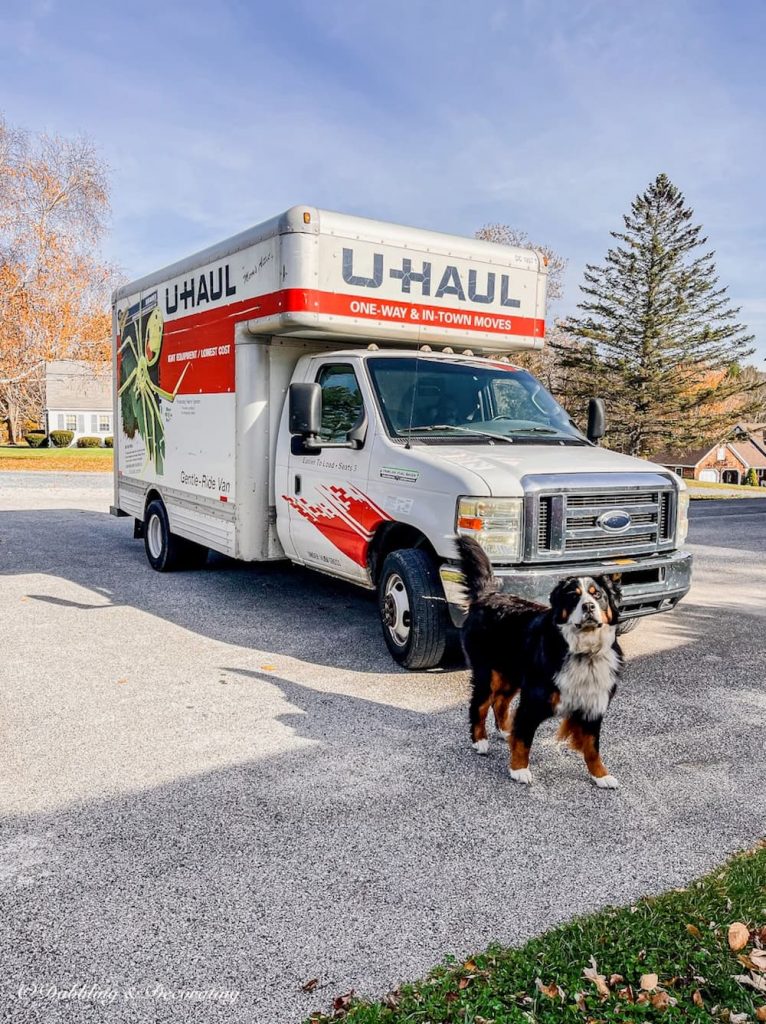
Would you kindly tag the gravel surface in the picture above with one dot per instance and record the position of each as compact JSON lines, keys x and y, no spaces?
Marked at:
{"x":215,"y":785}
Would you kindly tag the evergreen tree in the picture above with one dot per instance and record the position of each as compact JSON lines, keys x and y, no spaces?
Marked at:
{"x":658,"y":338}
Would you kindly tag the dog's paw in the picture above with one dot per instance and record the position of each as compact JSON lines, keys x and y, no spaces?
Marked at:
{"x":606,"y":782}
{"x":481,"y":746}
{"x":522,"y":775}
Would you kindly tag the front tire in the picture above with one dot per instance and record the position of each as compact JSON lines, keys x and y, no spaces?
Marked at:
{"x":627,"y":626}
{"x":165,"y":551}
{"x":413,"y":610}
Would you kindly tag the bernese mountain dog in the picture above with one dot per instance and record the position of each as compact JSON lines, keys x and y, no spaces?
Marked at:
{"x":563,"y":660}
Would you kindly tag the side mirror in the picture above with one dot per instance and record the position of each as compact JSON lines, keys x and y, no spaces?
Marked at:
{"x":305,"y":409}
{"x":596,"y":420}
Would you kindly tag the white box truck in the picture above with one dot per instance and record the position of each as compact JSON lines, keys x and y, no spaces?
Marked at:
{"x":337,"y":392}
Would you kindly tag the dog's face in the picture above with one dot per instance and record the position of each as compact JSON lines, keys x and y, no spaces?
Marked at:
{"x":585,"y":604}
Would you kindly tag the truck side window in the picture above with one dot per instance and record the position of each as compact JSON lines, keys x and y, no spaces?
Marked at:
{"x":341,"y":401}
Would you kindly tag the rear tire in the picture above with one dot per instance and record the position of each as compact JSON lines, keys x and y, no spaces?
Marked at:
{"x":413,"y":610}
{"x":165,"y":551}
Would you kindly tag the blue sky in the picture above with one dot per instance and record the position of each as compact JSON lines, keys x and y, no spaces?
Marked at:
{"x":545,"y":114}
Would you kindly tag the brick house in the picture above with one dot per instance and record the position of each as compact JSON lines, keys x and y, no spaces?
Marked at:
{"x":726,"y":462}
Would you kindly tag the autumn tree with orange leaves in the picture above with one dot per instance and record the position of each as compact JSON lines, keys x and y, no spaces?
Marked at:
{"x":53,"y":287}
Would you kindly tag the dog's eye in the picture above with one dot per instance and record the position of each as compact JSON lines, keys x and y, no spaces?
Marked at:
{"x":578,"y":591}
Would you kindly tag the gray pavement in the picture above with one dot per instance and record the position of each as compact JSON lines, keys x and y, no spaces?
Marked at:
{"x":217,"y":782}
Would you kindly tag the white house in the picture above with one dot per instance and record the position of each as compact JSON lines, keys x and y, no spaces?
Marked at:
{"x":78,"y":397}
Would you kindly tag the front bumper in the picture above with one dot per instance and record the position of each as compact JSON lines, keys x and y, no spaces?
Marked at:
{"x":655,"y":583}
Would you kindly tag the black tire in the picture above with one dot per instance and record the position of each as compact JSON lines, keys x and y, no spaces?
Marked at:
{"x":415,"y":623}
{"x":165,"y":551}
{"x":627,"y":626}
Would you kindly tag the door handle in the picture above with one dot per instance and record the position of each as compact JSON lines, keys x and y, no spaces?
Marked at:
{"x":297,"y":487}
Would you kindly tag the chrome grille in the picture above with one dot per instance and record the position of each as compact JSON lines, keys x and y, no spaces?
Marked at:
{"x":564,"y":523}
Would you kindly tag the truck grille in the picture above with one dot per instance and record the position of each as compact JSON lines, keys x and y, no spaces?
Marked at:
{"x":574,"y":524}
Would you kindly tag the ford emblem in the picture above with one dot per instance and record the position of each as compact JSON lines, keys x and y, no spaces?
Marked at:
{"x":614,"y":521}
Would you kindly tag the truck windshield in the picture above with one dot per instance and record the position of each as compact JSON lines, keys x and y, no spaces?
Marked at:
{"x":428,"y":399}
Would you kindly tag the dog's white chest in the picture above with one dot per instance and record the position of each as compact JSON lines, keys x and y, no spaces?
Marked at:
{"x":585,"y":682}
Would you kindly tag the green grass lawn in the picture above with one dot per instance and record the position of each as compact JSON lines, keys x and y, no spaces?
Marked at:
{"x":739,"y":489}
{"x":668,"y":958}
{"x":86,"y":460}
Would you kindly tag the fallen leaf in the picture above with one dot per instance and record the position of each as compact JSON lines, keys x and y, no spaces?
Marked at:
{"x":661,"y":1001}
{"x":464,"y":983}
{"x":758,"y":956}
{"x":627,"y":994}
{"x":738,"y":1018}
{"x":310,"y":985}
{"x":469,"y":965}
{"x":697,"y":998}
{"x":739,"y":935}
{"x":649,"y":982}
{"x":552,"y":991}
{"x":121,"y":682}
{"x":391,"y":1000}
{"x":343,"y":1002}
{"x":591,"y":974}
{"x":692,"y":929}
{"x":580,"y":1002}
{"x":268,"y":668}
{"x":482,"y":1020}
{"x":756,"y":981}
{"x":642,"y":997}
{"x":615,"y":979}
{"x":641,"y":956}
{"x":760,"y":1013}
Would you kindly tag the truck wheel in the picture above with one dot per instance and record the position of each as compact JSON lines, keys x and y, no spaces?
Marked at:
{"x":627,"y":626}
{"x":165,"y":551}
{"x":413,"y":610}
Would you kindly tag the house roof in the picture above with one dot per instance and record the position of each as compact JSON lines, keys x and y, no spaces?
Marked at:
{"x":686,"y":459}
{"x":72,"y":385}
{"x":750,"y":454}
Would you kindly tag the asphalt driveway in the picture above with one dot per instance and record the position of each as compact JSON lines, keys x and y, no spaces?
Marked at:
{"x":216,"y":786}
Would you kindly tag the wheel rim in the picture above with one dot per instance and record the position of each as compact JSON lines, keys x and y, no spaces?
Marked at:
{"x":396,"y":610}
{"x":154,"y":536}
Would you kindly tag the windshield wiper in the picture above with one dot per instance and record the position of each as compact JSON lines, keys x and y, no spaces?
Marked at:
{"x":462,"y":430}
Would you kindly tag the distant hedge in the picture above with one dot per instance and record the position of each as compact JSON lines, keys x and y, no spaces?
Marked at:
{"x":109,"y":442}
{"x":88,"y":442}
{"x":35,"y":438}
{"x":61,"y":438}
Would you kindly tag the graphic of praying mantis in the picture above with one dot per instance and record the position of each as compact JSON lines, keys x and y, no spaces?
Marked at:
{"x":139,"y":394}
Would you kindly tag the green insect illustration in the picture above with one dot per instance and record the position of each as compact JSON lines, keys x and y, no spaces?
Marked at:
{"x":139,"y":390}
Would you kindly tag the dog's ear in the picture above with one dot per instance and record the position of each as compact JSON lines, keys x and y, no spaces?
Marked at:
{"x":558,"y":600}
{"x":611,"y":587}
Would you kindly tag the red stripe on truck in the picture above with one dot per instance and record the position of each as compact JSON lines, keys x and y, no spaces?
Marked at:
{"x":198,"y":349}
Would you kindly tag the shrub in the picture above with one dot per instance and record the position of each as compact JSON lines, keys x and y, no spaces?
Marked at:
{"x":88,"y":442}
{"x":35,"y":438}
{"x":61,"y":438}
{"x":751,"y":478}
{"x":109,"y":442}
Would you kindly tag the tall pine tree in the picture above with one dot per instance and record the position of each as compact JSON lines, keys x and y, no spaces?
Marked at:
{"x":658,"y":338}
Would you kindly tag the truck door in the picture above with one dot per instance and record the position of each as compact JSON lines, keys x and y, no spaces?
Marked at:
{"x":332,"y":520}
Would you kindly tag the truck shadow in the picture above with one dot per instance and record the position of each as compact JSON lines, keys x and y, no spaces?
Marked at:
{"x":276,"y":608}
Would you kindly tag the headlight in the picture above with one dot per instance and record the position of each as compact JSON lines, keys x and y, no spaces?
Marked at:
{"x":495,"y":523}
{"x":682,"y":522}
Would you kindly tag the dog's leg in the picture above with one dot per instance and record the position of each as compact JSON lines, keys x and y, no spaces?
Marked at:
{"x":502,"y":710}
{"x":529,"y":715}
{"x":481,"y":699}
{"x":585,"y":735}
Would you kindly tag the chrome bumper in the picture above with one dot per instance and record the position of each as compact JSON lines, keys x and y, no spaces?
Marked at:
{"x":655,"y":583}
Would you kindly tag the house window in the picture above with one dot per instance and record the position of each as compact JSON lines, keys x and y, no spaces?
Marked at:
{"x":104,"y":424}
{"x":70,"y":422}
{"x":721,"y":456}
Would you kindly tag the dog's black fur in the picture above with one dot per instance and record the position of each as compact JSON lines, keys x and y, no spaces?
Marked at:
{"x":519,"y":647}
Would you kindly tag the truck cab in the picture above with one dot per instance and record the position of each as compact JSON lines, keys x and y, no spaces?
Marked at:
{"x":384,"y":457}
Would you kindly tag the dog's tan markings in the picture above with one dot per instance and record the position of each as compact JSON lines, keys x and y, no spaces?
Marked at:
{"x":585,"y":743}
{"x":564,"y":614}
{"x":578,"y":591}
{"x":479,"y":728}
{"x":591,"y":590}
{"x":555,"y":700}
{"x":608,"y":613}
{"x":519,"y":754}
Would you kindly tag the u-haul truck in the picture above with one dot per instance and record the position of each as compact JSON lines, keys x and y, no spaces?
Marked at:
{"x":337,"y":391}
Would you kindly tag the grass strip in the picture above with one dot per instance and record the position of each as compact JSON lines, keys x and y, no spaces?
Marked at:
{"x":673,"y":957}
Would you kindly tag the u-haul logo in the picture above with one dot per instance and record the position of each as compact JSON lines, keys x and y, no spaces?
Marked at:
{"x":480,"y":287}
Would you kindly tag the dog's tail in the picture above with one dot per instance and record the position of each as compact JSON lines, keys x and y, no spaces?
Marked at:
{"x":479,"y":581}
